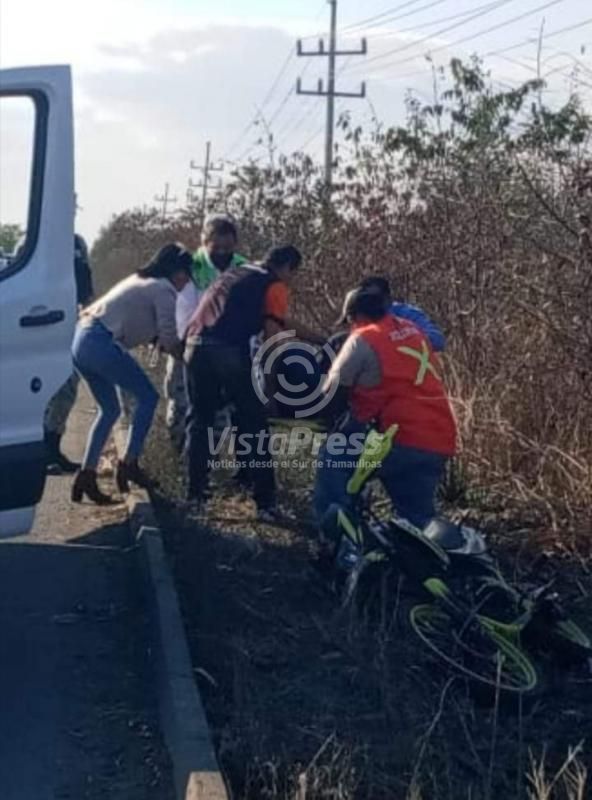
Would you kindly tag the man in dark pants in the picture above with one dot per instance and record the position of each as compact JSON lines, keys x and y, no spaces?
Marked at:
{"x":243,"y":302}
{"x":61,"y":404}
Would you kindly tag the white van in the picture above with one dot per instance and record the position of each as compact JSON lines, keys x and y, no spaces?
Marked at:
{"x":37,"y":291}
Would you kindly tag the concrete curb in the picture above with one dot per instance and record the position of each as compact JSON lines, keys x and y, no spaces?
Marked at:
{"x":186,"y":732}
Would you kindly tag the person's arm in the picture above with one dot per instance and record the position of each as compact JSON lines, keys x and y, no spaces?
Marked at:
{"x":356,"y":363}
{"x":304,"y":332}
{"x":423,"y":322}
{"x":166,"y":323}
{"x":275,"y":310}
{"x":277,"y":320}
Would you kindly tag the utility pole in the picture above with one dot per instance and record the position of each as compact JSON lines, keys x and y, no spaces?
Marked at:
{"x":205,"y":184}
{"x":330,"y":92}
{"x":190,"y":197}
{"x":166,"y":200}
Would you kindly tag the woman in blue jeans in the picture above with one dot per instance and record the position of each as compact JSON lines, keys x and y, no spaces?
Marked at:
{"x":138,"y":310}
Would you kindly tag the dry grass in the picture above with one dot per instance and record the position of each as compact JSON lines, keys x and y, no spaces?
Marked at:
{"x":307,"y":701}
{"x":480,"y":211}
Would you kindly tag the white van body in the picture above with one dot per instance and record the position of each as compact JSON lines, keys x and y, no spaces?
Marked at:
{"x":37,"y":291}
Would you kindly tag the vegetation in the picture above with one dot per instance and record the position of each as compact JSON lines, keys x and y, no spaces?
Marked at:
{"x":479,"y":209}
{"x":9,"y":237}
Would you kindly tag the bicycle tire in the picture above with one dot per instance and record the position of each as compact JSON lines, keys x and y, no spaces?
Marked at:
{"x":479,"y":653}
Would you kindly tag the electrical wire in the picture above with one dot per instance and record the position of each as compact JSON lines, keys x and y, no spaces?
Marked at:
{"x":444,"y":30}
{"x":364,"y":22}
{"x":396,"y":17}
{"x":268,"y":96}
{"x":483,"y":32}
{"x":530,"y":40}
{"x":501,"y":51}
{"x":414,"y":28}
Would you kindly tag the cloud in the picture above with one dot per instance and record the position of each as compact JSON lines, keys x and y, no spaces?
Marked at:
{"x":143,"y":125}
{"x":154,"y":82}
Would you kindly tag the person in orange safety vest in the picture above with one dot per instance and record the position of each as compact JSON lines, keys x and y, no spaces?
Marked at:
{"x":392,"y":377}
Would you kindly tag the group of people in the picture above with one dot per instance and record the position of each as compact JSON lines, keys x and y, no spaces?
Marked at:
{"x":204,"y":310}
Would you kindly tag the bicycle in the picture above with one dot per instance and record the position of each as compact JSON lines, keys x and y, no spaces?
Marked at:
{"x":470,"y":617}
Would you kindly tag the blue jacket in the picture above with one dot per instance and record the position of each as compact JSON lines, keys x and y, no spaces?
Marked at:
{"x":423,"y":322}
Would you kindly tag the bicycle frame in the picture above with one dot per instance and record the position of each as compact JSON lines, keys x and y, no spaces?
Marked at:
{"x":482,"y":581}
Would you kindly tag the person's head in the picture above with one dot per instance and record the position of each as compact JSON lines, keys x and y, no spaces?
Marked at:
{"x":378,"y":284}
{"x":219,"y":238}
{"x":363,"y":305}
{"x":283,"y":262}
{"x":80,"y":247}
{"x":172,"y":262}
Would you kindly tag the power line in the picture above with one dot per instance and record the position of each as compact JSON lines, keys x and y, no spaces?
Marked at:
{"x":364,"y":22}
{"x":397,"y":17}
{"x":500,"y":51}
{"x":530,"y":40}
{"x":311,"y":139}
{"x":294,"y":121}
{"x":575,"y":59}
{"x":432,"y":36}
{"x":281,"y":106}
{"x":279,"y":76}
{"x":523,"y":43}
{"x":460,"y":14}
{"x":269,"y":94}
{"x":259,"y":118}
{"x":472,"y":36}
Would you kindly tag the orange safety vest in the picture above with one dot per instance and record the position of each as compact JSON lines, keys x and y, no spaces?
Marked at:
{"x":411,"y":393}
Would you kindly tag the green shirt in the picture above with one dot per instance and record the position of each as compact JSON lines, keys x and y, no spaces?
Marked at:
{"x":204,"y":272}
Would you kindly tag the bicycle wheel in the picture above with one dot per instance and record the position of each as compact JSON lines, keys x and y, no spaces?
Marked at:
{"x":480,"y":653}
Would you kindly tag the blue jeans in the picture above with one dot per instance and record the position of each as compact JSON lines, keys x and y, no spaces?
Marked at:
{"x":105,"y":365}
{"x":410,"y":477}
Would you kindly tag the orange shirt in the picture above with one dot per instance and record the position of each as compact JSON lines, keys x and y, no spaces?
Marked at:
{"x":277,"y":299}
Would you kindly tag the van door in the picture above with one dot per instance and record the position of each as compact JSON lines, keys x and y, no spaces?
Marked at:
{"x":37,"y":292}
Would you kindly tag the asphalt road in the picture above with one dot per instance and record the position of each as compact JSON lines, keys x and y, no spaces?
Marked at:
{"x":77,"y":702}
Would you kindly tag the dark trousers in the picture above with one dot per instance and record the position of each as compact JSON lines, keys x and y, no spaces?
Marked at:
{"x":215,"y":375}
{"x":410,"y":477}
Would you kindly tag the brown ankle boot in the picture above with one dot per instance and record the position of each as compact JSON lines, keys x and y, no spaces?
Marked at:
{"x":131,"y":471}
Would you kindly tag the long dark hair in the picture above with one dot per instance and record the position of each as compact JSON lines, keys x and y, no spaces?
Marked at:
{"x":285,"y":256}
{"x":165,"y":262}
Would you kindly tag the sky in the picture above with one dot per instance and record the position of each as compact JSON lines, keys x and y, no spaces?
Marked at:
{"x":154,"y":80}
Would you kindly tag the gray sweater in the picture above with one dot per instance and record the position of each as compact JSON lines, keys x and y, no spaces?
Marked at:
{"x":138,"y":311}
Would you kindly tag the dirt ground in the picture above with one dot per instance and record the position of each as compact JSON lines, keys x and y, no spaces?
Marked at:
{"x":306,"y":702}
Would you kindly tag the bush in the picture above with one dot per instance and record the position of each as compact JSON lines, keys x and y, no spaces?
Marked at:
{"x":478,"y":209}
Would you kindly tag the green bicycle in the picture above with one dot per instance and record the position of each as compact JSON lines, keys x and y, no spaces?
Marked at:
{"x":469,"y":616}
